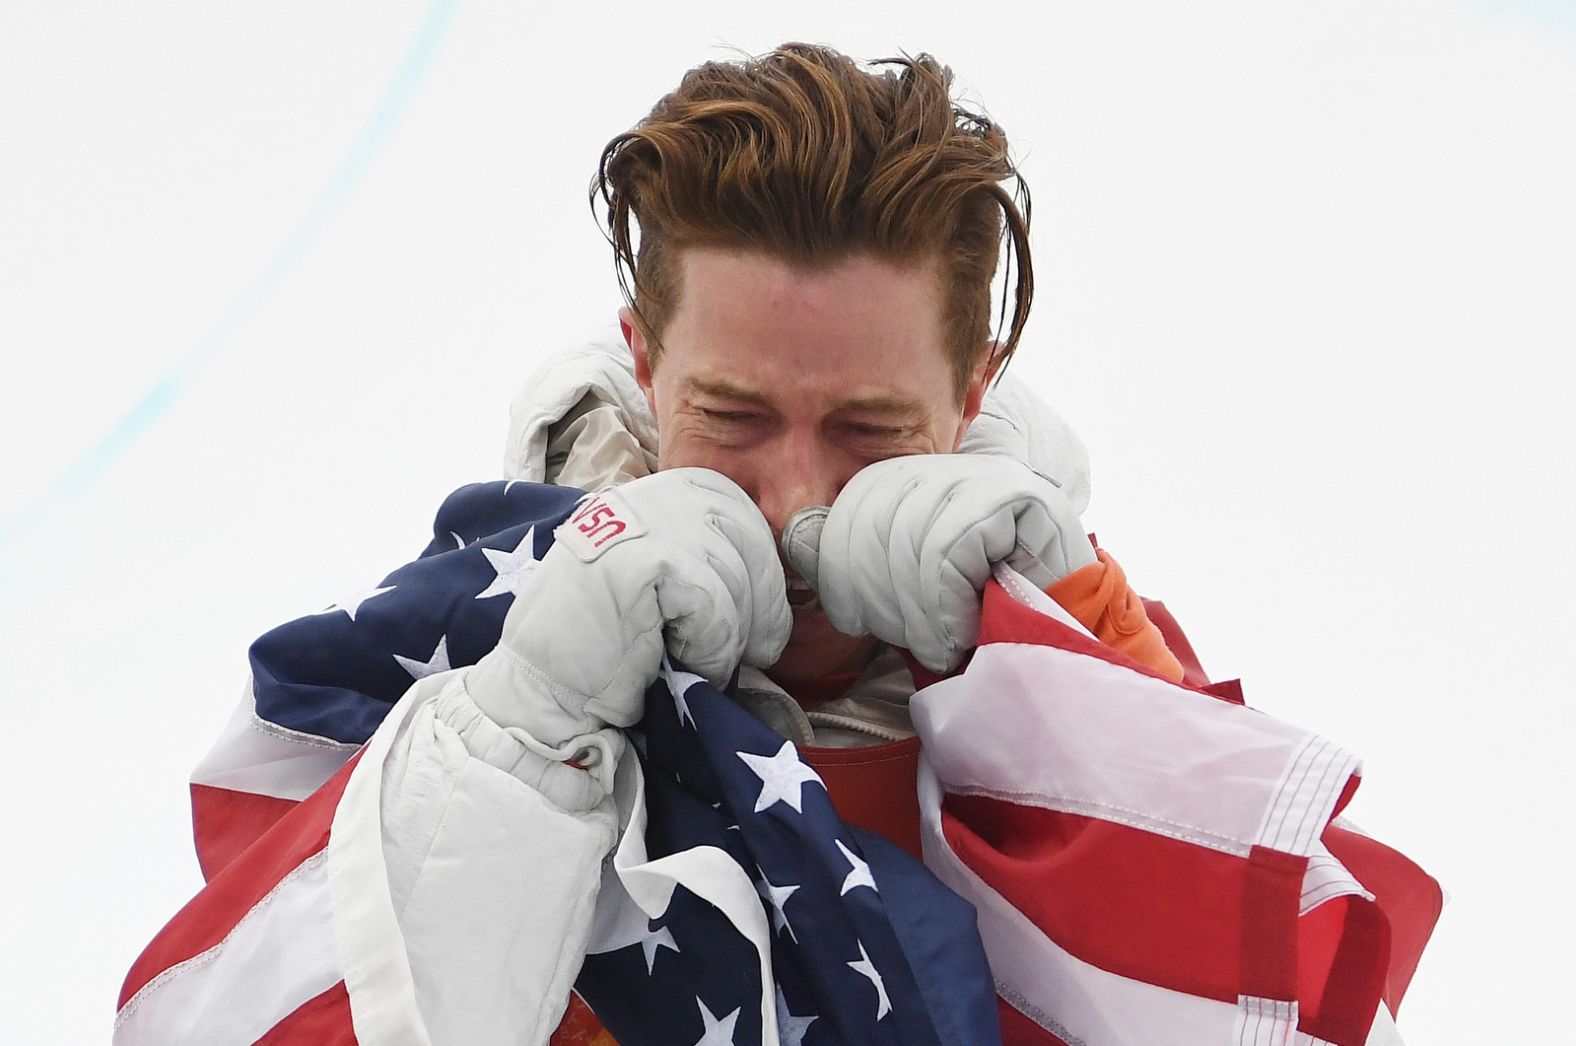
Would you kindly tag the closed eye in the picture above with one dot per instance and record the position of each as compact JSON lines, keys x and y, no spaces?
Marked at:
{"x":877,"y":431}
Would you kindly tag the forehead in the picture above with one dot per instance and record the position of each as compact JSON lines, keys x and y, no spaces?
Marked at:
{"x":860,"y":329}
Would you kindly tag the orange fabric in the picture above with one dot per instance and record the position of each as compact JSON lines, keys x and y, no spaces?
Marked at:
{"x":1193,"y":673}
{"x":1099,"y":597}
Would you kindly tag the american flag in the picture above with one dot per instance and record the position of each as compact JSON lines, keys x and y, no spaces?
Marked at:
{"x":866,"y":945}
{"x":1144,"y":862}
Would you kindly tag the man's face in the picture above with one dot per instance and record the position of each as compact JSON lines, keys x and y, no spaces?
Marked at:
{"x":789,"y":382}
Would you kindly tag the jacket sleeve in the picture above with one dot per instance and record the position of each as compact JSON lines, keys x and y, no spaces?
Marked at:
{"x":1099,"y":596}
{"x":383,"y":867}
{"x":490,"y":846}
{"x":438,"y":888}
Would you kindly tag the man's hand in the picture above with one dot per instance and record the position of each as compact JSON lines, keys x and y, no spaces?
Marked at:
{"x":681,"y":560}
{"x":907,"y":547}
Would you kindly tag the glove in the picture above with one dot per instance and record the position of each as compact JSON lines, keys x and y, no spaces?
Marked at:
{"x":905,"y":550}
{"x":680,"y":560}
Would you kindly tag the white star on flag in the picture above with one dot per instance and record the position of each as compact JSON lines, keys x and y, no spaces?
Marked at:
{"x":716,"y":1033}
{"x":790,"y":1029}
{"x":512,"y":567}
{"x":777,"y":896}
{"x":353,"y":603}
{"x":860,"y":875}
{"x":661,"y":937}
{"x":782,"y":776}
{"x":679,"y":681}
{"x":866,"y":968}
{"x":459,"y":542}
{"x":438,"y":662}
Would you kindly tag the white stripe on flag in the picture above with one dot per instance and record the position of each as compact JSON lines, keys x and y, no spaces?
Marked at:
{"x":1105,"y":741}
{"x":263,"y":758}
{"x":280,"y":955}
{"x":1264,"y":1022}
{"x":1326,"y":879}
{"x":1306,"y":795}
{"x":1023,"y":590}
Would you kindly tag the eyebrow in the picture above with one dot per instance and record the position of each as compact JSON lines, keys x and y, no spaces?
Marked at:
{"x":725,"y":390}
{"x":889,"y":405}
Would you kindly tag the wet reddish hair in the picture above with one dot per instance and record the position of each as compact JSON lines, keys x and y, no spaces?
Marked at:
{"x":803,"y":155}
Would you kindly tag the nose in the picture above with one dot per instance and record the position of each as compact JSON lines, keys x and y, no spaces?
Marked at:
{"x":800,"y":474}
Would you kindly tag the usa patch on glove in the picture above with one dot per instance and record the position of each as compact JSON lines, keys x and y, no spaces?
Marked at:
{"x":603,"y":520}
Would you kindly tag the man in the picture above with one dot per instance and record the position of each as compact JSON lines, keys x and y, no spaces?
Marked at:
{"x":802,"y":472}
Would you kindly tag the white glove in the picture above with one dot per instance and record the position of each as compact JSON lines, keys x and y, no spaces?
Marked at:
{"x":907,"y":547}
{"x":681,"y":559}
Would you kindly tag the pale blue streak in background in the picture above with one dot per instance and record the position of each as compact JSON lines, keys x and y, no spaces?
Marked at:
{"x":1556,"y":17}
{"x":168,"y":388}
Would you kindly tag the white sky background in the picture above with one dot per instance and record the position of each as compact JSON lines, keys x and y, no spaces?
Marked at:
{"x":1305,"y":277}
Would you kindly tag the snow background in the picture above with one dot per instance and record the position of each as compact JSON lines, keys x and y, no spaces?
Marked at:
{"x":269,"y":275}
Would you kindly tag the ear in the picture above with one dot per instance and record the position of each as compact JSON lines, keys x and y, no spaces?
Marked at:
{"x":635,"y":338}
{"x":974,"y":394}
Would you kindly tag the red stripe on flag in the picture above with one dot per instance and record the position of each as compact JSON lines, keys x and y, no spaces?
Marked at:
{"x":1228,"y":690}
{"x":1137,"y":904}
{"x":1348,"y":791}
{"x":1344,"y":947}
{"x":1409,"y":897}
{"x":1269,"y":923}
{"x":322,"y":1021}
{"x":225,"y":822}
{"x":1005,"y":620}
{"x":210,"y":916}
